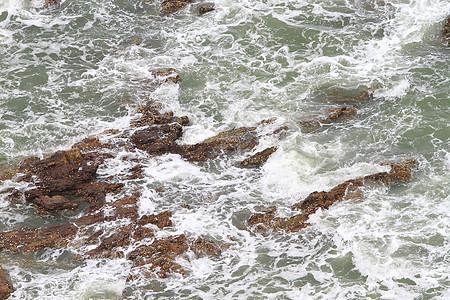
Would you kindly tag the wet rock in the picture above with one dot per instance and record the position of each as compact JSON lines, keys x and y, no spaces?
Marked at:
{"x":171,"y":6}
{"x":350,"y":189}
{"x":136,"y":172}
{"x":89,"y":144}
{"x":226,"y":142}
{"x":54,"y":203}
{"x":358,"y":96}
{"x":203,"y":9}
{"x":446,"y":31}
{"x":49,"y":3}
{"x":69,"y":172}
{"x":150,"y":115}
{"x":161,"y":220}
{"x":26,"y":239}
{"x":334,"y":115}
{"x":158,"y":139}
{"x":166,"y":75}
{"x":6,"y":287}
{"x":159,"y":256}
{"x":8,"y":174}
{"x":108,"y":247}
{"x":259,"y":158}
{"x":205,"y":247}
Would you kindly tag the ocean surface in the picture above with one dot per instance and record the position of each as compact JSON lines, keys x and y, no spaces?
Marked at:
{"x":71,"y":71}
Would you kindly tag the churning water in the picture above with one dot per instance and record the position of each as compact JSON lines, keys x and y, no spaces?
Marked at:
{"x":70,"y":71}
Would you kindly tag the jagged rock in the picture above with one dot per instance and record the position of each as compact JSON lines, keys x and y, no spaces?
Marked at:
{"x":136,"y":172}
{"x":259,"y":158}
{"x":158,"y":259}
{"x":150,"y":115}
{"x":171,"y":6}
{"x":158,"y":139}
{"x":205,"y":247}
{"x":226,"y":142}
{"x":161,"y":220}
{"x":54,"y":203}
{"x":6,"y":287}
{"x":159,"y":256}
{"x":166,"y":75}
{"x":446,"y":31}
{"x":334,"y":115}
{"x":70,"y":172}
{"x":350,"y":189}
{"x":203,"y":9}
{"x":89,"y":144}
{"x":26,"y":239}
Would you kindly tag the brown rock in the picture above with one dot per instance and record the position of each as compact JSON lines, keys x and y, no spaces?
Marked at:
{"x":26,"y":239}
{"x":226,"y":142}
{"x":49,"y":3}
{"x":350,"y":189}
{"x":171,"y":6}
{"x":157,"y":139}
{"x":54,"y":203}
{"x":89,"y":144}
{"x":205,"y":8}
{"x":6,"y":287}
{"x":150,"y":115}
{"x":161,"y":220}
{"x":167,"y":75}
{"x":446,"y":31}
{"x":334,"y":115}
{"x":259,"y":158}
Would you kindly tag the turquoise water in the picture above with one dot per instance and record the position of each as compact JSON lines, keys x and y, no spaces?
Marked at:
{"x":71,"y":71}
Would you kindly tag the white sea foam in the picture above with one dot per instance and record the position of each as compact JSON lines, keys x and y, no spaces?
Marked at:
{"x":244,"y":62}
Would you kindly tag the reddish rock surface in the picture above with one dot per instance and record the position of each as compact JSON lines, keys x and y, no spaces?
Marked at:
{"x":5,"y":287}
{"x":227,"y":142}
{"x":171,"y":6}
{"x":259,"y":158}
{"x":350,"y":189}
{"x":446,"y":31}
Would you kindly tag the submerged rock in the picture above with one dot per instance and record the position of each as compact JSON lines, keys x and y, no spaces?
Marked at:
{"x":334,"y":115}
{"x":6,"y":287}
{"x":350,"y":189}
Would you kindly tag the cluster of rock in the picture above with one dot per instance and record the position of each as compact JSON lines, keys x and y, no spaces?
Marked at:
{"x":67,"y":178}
{"x":351,"y":189}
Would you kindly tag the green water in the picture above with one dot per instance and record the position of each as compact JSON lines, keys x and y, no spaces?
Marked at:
{"x":71,"y":71}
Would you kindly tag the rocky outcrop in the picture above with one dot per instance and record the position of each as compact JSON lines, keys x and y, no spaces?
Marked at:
{"x":259,"y":158}
{"x":227,"y":142}
{"x":63,"y":173}
{"x":446,"y":31}
{"x":171,"y":6}
{"x":6,"y":288}
{"x":204,"y":8}
{"x":350,"y":189}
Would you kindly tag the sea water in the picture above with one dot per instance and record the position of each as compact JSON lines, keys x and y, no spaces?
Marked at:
{"x":71,"y":71}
